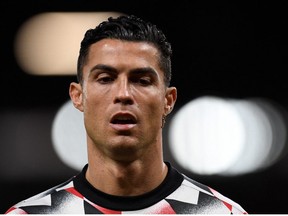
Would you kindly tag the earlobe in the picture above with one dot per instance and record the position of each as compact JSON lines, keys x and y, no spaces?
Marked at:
{"x":76,"y":94}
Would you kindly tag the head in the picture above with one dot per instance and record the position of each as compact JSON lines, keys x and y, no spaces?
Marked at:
{"x":124,"y":72}
{"x":128,"y":28}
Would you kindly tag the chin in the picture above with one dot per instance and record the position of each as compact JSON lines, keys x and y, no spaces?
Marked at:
{"x":125,"y":149}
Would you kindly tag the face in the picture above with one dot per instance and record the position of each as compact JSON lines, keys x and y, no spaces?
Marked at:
{"x":123,"y":98}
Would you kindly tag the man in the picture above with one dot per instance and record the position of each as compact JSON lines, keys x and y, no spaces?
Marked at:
{"x":124,"y":72}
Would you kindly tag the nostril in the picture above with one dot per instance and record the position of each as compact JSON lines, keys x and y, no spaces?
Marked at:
{"x":127,"y":100}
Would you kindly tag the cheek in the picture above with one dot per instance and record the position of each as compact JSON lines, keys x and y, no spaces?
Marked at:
{"x":156,"y":105}
{"x":93,"y":99}
{"x":92,"y":108}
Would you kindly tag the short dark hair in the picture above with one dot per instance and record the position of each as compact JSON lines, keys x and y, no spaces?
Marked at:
{"x":128,"y":28}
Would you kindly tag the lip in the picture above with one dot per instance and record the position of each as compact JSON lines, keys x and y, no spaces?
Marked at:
{"x":123,"y":126}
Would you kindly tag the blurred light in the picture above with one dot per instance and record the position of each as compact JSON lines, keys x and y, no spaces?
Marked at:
{"x":68,"y":136}
{"x":277,"y":117}
{"x":266,"y":135}
{"x":211,"y":135}
{"x":207,"y":135}
{"x":48,"y":43}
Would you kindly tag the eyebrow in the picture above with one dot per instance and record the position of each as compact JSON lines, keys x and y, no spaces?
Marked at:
{"x":103,"y":67}
{"x":144,"y":70}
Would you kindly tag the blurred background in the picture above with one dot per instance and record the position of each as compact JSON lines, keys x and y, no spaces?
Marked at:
{"x":228,"y":129}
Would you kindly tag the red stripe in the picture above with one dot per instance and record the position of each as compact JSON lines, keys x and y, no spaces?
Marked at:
{"x":75,"y":192}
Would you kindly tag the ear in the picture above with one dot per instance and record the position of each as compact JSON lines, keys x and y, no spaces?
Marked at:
{"x":170,"y":99}
{"x":76,"y":95}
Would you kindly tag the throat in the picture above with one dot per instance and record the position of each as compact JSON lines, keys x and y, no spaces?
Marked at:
{"x":126,"y":179}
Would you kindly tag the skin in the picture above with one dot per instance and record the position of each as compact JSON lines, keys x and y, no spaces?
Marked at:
{"x":123,"y":81}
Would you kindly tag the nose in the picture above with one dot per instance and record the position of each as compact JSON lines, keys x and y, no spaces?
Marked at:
{"x":123,"y":92}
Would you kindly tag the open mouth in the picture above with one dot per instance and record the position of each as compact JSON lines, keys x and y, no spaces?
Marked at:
{"x":123,"y":119}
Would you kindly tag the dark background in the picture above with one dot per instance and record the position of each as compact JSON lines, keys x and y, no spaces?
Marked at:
{"x":233,"y":49}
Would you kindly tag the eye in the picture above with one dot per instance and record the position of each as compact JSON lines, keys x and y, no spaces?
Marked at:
{"x":105,"y":78}
{"x":145,"y":81}
{"x":142,"y":80}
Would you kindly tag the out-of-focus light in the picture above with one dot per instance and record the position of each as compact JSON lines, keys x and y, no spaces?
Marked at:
{"x":258,"y":141}
{"x":278,"y":120}
{"x":266,"y":129}
{"x":48,"y":43}
{"x":68,"y":136}
{"x":212,"y":135}
{"x":207,"y":135}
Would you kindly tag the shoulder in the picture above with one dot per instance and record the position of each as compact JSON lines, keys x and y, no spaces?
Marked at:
{"x":207,"y":199}
{"x":44,"y":201}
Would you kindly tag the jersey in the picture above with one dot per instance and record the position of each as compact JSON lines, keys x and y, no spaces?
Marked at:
{"x":177,"y":194}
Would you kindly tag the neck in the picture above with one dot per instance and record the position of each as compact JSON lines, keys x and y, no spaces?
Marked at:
{"x":126,"y":178}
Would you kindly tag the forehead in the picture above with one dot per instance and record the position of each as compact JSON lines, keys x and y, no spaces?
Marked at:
{"x":119,"y":53}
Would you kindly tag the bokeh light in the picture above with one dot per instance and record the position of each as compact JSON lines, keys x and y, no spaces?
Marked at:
{"x":48,"y":43}
{"x":213,"y":135}
{"x":68,"y":136}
